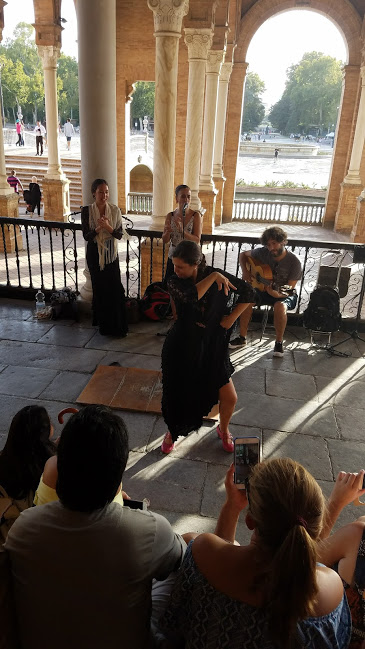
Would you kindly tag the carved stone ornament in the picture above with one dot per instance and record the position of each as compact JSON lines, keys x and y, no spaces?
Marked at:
{"x":214,"y":61}
{"x":168,"y":14}
{"x":49,"y":56}
{"x":199,"y":42}
{"x":226,"y":71}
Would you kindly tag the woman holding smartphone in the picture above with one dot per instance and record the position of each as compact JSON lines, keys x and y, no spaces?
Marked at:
{"x":270,"y":593}
{"x":196,"y":369}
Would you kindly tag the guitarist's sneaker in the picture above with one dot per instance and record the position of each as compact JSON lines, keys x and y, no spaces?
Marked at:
{"x":239,"y":341}
{"x":278,"y":350}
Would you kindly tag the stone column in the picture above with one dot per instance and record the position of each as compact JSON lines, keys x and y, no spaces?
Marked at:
{"x":343,"y":141}
{"x":168,"y":15}
{"x":218,"y":176}
{"x":198,"y":41}
{"x":207,"y":189}
{"x":352,"y":184}
{"x":8,"y":198}
{"x":233,"y":132}
{"x":97,"y":89}
{"x":55,"y":186}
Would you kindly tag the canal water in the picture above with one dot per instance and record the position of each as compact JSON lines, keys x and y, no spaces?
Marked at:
{"x":312,"y":171}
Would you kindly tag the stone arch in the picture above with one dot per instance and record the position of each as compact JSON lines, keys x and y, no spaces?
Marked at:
{"x":141,"y":179}
{"x":341,"y":13}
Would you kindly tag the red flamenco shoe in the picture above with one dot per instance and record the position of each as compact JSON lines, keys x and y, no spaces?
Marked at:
{"x":167,"y":445}
{"x":227,"y":440}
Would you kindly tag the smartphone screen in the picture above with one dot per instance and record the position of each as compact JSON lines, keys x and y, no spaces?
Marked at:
{"x":247,"y":453}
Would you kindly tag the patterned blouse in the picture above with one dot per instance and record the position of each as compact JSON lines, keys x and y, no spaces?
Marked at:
{"x":356,"y":598}
{"x":176,"y":234}
{"x":208,"y":619}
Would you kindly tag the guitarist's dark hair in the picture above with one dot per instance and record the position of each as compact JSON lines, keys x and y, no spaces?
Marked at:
{"x":276,"y":233}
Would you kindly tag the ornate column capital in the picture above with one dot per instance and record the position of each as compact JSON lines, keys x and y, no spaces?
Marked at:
{"x":199,"y":42}
{"x":214,"y":61}
{"x":168,"y":15}
{"x":226,"y":71}
{"x":49,"y":55}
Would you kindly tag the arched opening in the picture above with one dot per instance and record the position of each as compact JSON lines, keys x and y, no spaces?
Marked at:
{"x":141,"y":179}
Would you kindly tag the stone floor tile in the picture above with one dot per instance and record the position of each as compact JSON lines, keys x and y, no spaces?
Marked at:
{"x":287,"y":415}
{"x":2,"y":367}
{"x":169,"y":483}
{"x":25,"y":381}
{"x":67,"y":336}
{"x":16,"y":309}
{"x":351,"y":422}
{"x":66,"y":386}
{"x":290,"y":385}
{"x":49,"y":356}
{"x":214,"y":491}
{"x":21,"y":330}
{"x":351,"y":395}
{"x":346,"y":455}
{"x":328,"y":388}
{"x":249,"y":379}
{"x":140,"y":427}
{"x":312,"y":452}
{"x":182,"y":523}
{"x":150,"y":328}
{"x":318,"y":363}
{"x":143,"y":361}
{"x":132,"y":344}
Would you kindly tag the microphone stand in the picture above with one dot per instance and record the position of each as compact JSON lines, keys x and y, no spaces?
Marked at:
{"x":183,"y":215}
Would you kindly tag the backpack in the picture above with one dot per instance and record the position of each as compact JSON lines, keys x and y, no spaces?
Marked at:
{"x":323,"y":310}
{"x":155,"y":303}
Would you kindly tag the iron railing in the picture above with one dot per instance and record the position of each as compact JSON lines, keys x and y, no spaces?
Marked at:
{"x":278,"y":212}
{"x":52,"y":255}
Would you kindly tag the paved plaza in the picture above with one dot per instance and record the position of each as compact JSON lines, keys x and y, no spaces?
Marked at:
{"x":308,"y":406}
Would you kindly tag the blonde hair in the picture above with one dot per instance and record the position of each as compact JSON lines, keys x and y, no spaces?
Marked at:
{"x":287,"y":506}
{"x":34,"y":179}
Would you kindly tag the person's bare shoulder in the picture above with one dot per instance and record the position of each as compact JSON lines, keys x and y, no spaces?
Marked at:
{"x":50,"y":473}
{"x":330,"y":591}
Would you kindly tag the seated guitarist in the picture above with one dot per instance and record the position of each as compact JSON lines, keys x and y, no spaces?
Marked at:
{"x":286,"y":271}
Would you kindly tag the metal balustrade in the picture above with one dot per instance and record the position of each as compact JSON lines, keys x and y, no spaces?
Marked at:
{"x":53,"y":256}
{"x":278,"y":212}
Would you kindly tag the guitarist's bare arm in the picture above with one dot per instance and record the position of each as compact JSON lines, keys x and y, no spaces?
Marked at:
{"x":277,"y":294}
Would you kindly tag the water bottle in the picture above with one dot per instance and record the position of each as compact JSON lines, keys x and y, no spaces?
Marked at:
{"x":40,"y":303}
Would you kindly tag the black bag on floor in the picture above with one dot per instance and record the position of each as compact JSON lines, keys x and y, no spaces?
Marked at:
{"x":155,"y":303}
{"x":64,"y":304}
{"x":323,"y":310}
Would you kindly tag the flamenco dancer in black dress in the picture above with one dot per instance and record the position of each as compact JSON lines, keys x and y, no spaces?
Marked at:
{"x":102,"y":228}
{"x":196,"y":369}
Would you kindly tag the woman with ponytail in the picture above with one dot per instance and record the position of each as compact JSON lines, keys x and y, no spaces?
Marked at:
{"x":196,"y":370}
{"x":271,"y":593}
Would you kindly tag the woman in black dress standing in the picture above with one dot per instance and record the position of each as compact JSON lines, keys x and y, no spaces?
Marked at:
{"x":102,"y":228}
{"x":196,"y":369}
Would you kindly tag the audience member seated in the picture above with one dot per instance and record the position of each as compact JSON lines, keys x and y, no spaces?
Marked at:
{"x":270,"y":593}
{"x":345,"y":551}
{"x":28,"y":447}
{"x":83,"y":566}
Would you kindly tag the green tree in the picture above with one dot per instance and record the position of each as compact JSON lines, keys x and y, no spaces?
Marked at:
{"x":143,"y":100}
{"x":68,"y":93}
{"x":253,"y":108}
{"x":311,"y":96}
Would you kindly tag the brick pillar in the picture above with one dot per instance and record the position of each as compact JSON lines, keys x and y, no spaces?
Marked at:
{"x":218,"y":176}
{"x":233,"y":133}
{"x":352,"y":184}
{"x":343,"y":141}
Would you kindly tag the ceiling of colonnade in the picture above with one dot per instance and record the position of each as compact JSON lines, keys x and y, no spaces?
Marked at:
{"x":345,"y":14}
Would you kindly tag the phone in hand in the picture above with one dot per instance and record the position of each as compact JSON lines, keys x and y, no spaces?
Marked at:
{"x":247,"y":453}
{"x":135,"y":504}
{"x":363,"y":482}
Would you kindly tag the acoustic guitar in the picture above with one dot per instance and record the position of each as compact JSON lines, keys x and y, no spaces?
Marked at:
{"x":262,"y":276}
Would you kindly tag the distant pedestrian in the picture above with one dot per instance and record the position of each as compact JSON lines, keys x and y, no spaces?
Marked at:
{"x":14,"y":181}
{"x":19,"y":132}
{"x":276,"y":153}
{"x":35,"y":195}
{"x":40,"y":132}
{"x":22,"y":132}
{"x":69,"y":131}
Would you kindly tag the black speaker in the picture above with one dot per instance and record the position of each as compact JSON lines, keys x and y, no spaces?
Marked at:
{"x":359,"y":255}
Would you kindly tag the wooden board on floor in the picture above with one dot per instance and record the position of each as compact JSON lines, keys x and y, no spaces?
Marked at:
{"x":127,"y":388}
